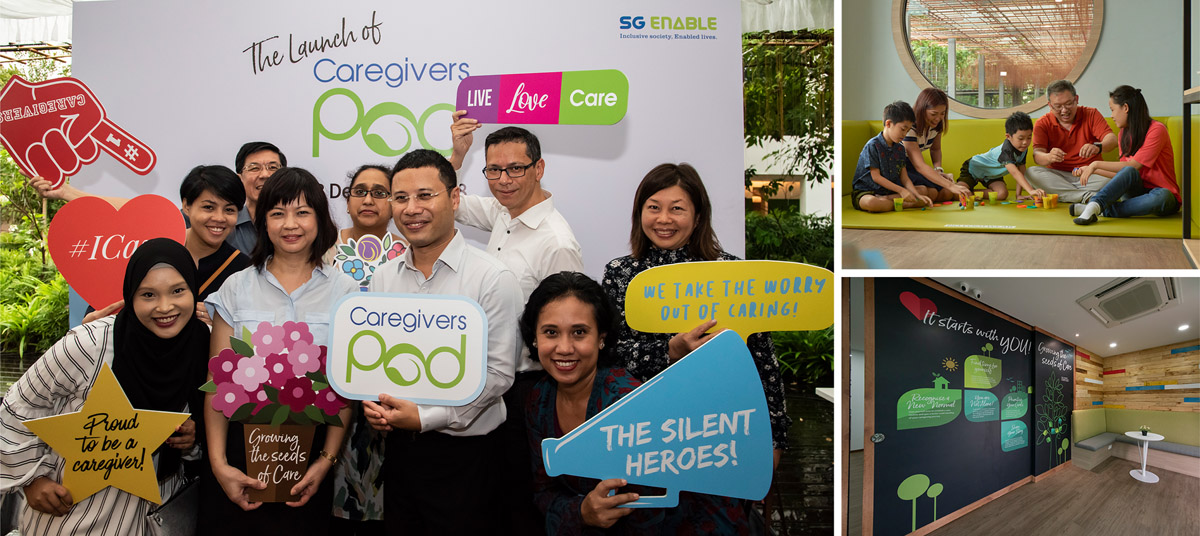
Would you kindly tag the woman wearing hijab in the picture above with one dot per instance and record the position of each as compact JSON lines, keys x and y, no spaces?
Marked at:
{"x":158,"y":352}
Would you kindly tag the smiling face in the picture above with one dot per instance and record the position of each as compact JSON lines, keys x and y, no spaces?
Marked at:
{"x":1020,"y":139}
{"x":668,"y":218}
{"x":934,"y":116}
{"x":368,"y":212}
{"x":428,"y":223}
{"x":517,"y":195}
{"x":212,"y":218}
{"x":568,"y":341}
{"x":255,"y":170}
{"x":163,"y":303}
{"x":292,"y":228}
{"x":1064,"y":105}
{"x":1120,"y":113}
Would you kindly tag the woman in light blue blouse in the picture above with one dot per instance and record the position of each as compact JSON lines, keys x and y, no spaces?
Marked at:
{"x":288,"y":283}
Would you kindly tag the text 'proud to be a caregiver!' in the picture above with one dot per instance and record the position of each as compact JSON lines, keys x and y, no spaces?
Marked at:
{"x":427,"y":349}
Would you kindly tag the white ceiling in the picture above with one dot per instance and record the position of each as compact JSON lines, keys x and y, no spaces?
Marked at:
{"x":1049,"y":303}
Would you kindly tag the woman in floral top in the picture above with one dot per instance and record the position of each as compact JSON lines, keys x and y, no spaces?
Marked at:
{"x":566,"y":326}
{"x":672,"y":223}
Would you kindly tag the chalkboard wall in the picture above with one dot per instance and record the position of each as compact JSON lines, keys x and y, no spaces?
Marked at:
{"x":952,"y":401}
{"x":1053,"y":399}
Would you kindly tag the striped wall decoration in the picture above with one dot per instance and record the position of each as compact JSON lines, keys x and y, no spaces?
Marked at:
{"x":1083,"y":355}
{"x":1184,"y":350}
{"x":1160,"y":386}
{"x":1118,"y":371}
{"x":1090,"y":380}
{"x":1113,"y":406}
{"x":1097,"y":403}
{"x":1191,"y":399}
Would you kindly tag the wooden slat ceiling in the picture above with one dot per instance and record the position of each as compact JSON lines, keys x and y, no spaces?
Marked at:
{"x":1035,"y":41}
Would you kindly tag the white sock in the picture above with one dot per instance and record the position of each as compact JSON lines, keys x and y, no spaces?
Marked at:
{"x":1092,"y":209}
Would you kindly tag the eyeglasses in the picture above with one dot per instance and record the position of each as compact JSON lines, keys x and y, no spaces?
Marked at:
{"x":360,"y":192}
{"x":1062,"y":107}
{"x":514,"y":172}
{"x":255,"y":168}
{"x":421,"y":198}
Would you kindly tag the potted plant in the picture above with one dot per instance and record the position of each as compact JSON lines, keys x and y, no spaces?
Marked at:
{"x":273,"y":381}
{"x":1145,"y":429}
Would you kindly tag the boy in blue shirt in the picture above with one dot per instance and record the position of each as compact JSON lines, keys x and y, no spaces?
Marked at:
{"x":880,"y":176}
{"x":1007,"y":158}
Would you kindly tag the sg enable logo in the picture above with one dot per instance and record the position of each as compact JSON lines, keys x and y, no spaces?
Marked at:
{"x":669,"y":23}
{"x":427,"y":349}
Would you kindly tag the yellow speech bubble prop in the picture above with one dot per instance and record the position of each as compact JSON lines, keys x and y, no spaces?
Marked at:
{"x":107,"y":442}
{"x":744,"y":296}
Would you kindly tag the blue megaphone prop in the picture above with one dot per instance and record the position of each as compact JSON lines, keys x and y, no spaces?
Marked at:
{"x":701,"y":425}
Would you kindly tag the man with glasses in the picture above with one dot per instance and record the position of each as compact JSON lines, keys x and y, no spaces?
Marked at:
{"x":254,"y":162}
{"x":535,"y":241}
{"x":440,"y":466}
{"x":1066,"y":140}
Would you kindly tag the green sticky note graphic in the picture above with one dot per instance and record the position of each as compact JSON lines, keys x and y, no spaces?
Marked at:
{"x":1014,"y":406}
{"x":926,"y":408}
{"x":981,"y":406}
{"x":1013,"y":435}
{"x":981,"y":372}
{"x":593,"y":97}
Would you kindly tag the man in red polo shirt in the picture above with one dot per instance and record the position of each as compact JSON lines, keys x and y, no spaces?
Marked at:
{"x":1070,"y":136}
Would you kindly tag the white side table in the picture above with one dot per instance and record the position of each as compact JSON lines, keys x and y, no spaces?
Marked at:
{"x":1144,"y":441}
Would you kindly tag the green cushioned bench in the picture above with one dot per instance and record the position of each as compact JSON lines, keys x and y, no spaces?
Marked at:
{"x":1095,"y":430}
{"x":968,"y":137}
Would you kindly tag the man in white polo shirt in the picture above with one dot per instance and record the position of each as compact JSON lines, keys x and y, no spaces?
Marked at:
{"x":441,"y":463}
{"x":535,"y":241}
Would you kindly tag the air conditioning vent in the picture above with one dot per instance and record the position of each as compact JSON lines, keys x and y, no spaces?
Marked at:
{"x":1123,"y":300}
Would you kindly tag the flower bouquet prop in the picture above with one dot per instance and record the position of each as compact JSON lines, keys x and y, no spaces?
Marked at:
{"x":273,"y":381}
{"x":359,"y":258}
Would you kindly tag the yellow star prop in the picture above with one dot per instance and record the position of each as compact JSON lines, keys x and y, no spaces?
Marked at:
{"x":108,"y":442}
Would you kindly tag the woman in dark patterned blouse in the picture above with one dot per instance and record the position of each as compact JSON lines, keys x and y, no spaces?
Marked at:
{"x":566,"y":326}
{"x":672,"y":223}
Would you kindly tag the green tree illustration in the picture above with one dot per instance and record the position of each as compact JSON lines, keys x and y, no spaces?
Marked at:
{"x":910,"y":489}
{"x":933,"y":493}
{"x":1050,"y":416}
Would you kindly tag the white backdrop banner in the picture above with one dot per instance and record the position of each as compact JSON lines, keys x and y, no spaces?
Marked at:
{"x":340,"y":84}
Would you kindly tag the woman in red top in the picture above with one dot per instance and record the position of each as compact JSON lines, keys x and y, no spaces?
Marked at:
{"x":1145,"y":174}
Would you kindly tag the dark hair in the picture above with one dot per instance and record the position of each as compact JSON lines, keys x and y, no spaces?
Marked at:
{"x":219,"y":180}
{"x":1059,"y":86}
{"x":426,"y":158}
{"x":533,"y":149}
{"x":931,"y":97}
{"x":586,"y":290}
{"x":1017,"y":121}
{"x":254,"y":147}
{"x":703,"y":243}
{"x":353,"y":175}
{"x":1137,"y":124}
{"x":899,"y":112}
{"x":283,"y":187}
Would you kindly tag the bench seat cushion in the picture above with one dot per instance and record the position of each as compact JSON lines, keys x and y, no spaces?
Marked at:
{"x":1098,"y":442}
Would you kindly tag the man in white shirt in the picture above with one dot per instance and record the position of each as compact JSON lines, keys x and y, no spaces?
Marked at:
{"x":535,"y":241}
{"x":440,"y":463}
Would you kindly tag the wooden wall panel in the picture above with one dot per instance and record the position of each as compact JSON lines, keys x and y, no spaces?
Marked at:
{"x":1153,"y":367}
{"x":1088,"y":370}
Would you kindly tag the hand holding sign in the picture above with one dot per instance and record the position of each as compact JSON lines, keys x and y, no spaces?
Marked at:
{"x":106,"y":443}
{"x":53,"y":128}
{"x":745,"y":296}
{"x":562,"y":98}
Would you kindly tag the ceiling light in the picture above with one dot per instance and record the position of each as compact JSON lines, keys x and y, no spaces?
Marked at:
{"x":1076,"y":334}
{"x":1112,"y":345}
{"x":1184,"y":327}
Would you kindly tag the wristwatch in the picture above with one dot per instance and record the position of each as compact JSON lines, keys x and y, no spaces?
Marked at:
{"x":1099,"y":145}
{"x":332,"y":459}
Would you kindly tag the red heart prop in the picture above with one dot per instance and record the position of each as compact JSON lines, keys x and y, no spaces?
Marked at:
{"x":917,"y":306}
{"x":91,"y":241}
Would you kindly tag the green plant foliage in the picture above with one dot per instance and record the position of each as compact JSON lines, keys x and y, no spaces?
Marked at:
{"x":33,"y":296}
{"x":787,"y":82}
{"x":789,"y":235}
{"x":806,"y":356}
